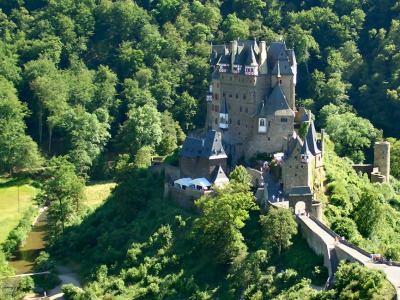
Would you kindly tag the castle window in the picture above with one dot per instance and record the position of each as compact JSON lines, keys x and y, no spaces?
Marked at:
{"x":237,"y":96}
{"x":223,"y":94}
{"x":302,"y":166}
{"x":295,"y":157}
{"x":269,"y":123}
{"x":244,"y":96}
{"x":295,"y":174}
{"x":269,"y":139}
{"x":241,"y":109}
{"x":229,"y":106}
{"x":230,"y":95}
{"x":262,"y":122}
{"x":283,"y":120}
{"x":280,"y":81}
{"x":230,"y":121}
{"x":238,"y":122}
{"x":290,"y":167}
{"x":216,"y":121}
{"x":247,"y":110}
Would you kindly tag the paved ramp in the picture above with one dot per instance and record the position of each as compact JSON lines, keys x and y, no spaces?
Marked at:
{"x":392,"y":272}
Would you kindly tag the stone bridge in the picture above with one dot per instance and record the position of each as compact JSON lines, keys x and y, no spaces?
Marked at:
{"x":322,"y":240}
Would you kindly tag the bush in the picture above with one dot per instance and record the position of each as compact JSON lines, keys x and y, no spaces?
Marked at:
{"x":25,"y":284}
{"x":71,"y":292}
{"x":44,"y":263}
{"x":18,"y":235}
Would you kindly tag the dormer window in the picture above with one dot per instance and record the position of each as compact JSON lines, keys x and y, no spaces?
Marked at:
{"x":304,"y":158}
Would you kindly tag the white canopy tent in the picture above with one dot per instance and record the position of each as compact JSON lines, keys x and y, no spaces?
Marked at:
{"x":182,"y":183}
{"x":200,"y":184}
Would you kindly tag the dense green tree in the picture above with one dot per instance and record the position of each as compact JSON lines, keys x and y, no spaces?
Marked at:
{"x":235,"y":28}
{"x":353,"y":281}
{"x":369,"y":211}
{"x":88,"y":135}
{"x":17,"y":150}
{"x":143,"y":128}
{"x":217,"y":229}
{"x":240,"y":175}
{"x":394,"y":157}
{"x":63,"y":191}
{"x":279,"y":227}
{"x":351,"y":135}
{"x":172,"y":134}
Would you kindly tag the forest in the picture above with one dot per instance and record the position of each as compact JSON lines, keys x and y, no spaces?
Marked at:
{"x":92,"y":89}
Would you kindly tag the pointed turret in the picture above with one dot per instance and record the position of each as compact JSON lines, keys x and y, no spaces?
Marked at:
{"x":223,"y":61}
{"x":311,"y":139}
{"x":223,"y":115}
{"x":238,"y":61}
{"x":251,"y":66}
{"x":305,"y":154}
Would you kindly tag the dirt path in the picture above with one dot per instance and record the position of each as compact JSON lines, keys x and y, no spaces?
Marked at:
{"x":66,"y":275}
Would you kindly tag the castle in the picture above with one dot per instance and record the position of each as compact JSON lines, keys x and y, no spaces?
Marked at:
{"x":251,"y":101}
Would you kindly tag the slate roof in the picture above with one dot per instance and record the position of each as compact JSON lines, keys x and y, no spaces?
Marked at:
{"x":191,"y":148}
{"x":277,"y":104}
{"x":218,"y":176}
{"x":284,"y":68}
{"x":224,"y":108}
{"x":312,"y":139}
{"x":251,"y":58}
{"x":305,"y":149}
{"x":300,"y":190}
{"x":292,"y":145}
{"x":210,"y":147}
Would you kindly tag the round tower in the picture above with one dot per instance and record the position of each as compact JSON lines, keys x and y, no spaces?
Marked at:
{"x":382,"y":158}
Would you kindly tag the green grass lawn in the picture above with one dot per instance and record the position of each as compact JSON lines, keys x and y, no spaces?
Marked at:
{"x":9,"y":214}
{"x":96,"y":192}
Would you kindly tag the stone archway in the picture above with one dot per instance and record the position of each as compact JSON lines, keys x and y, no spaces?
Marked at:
{"x":300,"y":208}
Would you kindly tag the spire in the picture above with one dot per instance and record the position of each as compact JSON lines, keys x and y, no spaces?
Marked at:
{"x":305,"y":154}
{"x":311,"y":138}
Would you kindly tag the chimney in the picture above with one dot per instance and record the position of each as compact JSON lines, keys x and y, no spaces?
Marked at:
{"x":263,"y":58}
{"x":233,"y":52}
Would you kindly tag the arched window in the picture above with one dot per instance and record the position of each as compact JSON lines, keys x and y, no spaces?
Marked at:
{"x":262,"y":122}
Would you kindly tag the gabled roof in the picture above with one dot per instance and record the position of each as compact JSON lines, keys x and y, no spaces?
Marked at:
{"x":218,"y":176}
{"x":312,"y":139}
{"x":210,"y":147}
{"x":284,"y":68}
{"x":276,"y":51}
{"x":191,"y":148}
{"x":277,"y":104}
{"x":213,"y":145}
